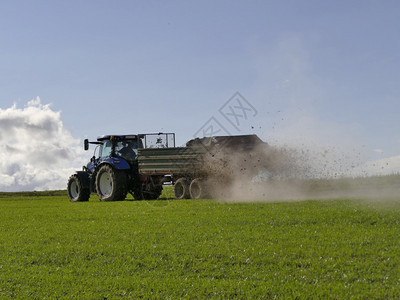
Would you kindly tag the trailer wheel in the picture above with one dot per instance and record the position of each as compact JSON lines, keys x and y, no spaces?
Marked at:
{"x":78,"y":187}
{"x":181,"y":189}
{"x":197,"y":189}
{"x":110,"y":184}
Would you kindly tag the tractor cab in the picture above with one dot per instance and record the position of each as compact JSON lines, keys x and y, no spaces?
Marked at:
{"x":114,"y":147}
{"x":125,"y":146}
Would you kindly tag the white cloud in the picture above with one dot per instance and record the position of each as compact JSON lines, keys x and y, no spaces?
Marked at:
{"x":36,"y":151}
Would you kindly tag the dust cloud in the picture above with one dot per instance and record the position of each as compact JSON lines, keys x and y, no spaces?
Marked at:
{"x":270,"y":173}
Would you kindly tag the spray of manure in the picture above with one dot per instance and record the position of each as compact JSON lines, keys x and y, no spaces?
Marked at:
{"x":266,"y":173}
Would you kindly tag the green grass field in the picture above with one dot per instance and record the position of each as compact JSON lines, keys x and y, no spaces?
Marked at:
{"x":337,"y":249}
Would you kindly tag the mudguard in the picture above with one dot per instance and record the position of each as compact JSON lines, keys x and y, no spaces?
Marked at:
{"x":118,"y":163}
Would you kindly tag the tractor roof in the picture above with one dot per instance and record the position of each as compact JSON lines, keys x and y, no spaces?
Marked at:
{"x":119,"y":137}
{"x":129,"y":136}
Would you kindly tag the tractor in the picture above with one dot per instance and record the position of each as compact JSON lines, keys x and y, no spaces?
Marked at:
{"x":113,"y":171}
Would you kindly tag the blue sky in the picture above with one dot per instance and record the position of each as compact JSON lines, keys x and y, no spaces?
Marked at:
{"x":325,"y":72}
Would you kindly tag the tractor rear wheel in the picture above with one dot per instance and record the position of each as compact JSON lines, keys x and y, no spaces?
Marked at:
{"x":111,"y":184}
{"x":78,"y":187}
{"x":181,"y":189}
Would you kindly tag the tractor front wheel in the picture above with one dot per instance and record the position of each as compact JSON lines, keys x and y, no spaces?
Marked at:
{"x":111,"y":184}
{"x":78,"y":187}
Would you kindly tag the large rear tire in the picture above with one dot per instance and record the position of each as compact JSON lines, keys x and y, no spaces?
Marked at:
{"x":78,"y":187}
{"x":181,"y":189}
{"x":111,"y":184}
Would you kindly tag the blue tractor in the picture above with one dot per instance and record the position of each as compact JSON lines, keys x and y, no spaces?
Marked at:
{"x":113,"y":171}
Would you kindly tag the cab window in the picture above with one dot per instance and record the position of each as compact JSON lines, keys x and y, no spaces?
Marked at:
{"x":105,"y":150}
